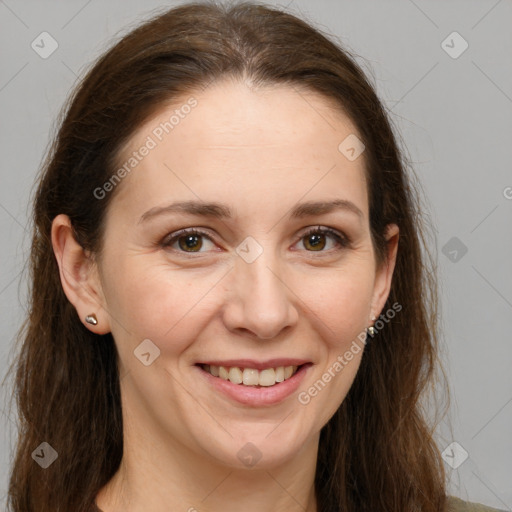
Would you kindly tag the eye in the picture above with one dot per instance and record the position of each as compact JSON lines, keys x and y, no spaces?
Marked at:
{"x":188,"y":240}
{"x":316,"y":239}
{"x":191,"y":240}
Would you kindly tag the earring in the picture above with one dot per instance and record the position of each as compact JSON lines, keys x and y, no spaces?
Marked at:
{"x":91,"y":319}
{"x":371,"y":330}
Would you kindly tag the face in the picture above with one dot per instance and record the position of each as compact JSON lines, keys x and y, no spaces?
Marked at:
{"x":263,"y":274}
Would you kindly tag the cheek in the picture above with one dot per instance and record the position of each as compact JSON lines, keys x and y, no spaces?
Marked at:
{"x":339,"y":308}
{"x":153,"y":301}
{"x":340,"y":299}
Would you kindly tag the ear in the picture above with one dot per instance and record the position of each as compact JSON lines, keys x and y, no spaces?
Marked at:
{"x":79,"y":275}
{"x":384,"y":274}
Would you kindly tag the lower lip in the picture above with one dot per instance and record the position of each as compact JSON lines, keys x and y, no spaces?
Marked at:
{"x":266,"y":395}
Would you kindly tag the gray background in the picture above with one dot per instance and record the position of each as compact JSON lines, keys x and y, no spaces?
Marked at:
{"x":455,"y":118}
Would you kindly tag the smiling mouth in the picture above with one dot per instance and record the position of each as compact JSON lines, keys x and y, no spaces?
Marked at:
{"x":252,"y":377}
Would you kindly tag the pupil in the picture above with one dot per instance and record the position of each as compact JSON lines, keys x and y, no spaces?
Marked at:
{"x":191,"y":242}
{"x":317,"y":241}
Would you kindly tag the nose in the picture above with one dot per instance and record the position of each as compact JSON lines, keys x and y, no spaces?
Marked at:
{"x":259,"y":300}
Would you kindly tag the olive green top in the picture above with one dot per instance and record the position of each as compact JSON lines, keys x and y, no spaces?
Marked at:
{"x":453,"y":504}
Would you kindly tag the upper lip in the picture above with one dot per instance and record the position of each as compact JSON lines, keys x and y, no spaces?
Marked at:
{"x":257,"y":365}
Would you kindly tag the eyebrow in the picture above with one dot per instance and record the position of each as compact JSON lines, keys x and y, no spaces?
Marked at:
{"x":221,"y":211}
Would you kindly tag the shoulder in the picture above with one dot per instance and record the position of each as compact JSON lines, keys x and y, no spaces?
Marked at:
{"x":454,"y":504}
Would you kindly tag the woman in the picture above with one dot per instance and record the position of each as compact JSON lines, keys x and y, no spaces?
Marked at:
{"x":230,"y":306}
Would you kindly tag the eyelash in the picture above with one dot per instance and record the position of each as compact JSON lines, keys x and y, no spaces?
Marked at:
{"x":342,"y":240}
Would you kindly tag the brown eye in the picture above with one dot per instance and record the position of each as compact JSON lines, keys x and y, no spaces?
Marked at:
{"x":316,"y":239}
{"x":190,"y":243}
{"x":187,"y":240}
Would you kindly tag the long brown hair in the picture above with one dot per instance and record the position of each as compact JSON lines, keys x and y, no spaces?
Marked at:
{"x":377,"y":451}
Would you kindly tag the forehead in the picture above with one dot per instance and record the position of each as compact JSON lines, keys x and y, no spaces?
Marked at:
{"x":276,"y":142}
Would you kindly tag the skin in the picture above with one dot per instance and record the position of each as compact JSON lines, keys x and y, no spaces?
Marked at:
{"x":260,"y":152}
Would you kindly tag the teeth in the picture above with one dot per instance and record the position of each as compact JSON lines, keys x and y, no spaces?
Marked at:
{"x":235,"y":375}
{"x":251,"y":376}
{"x":267,"y":377}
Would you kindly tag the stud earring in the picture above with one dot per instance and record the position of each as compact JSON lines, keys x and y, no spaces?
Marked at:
{"x":91,"y":319}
